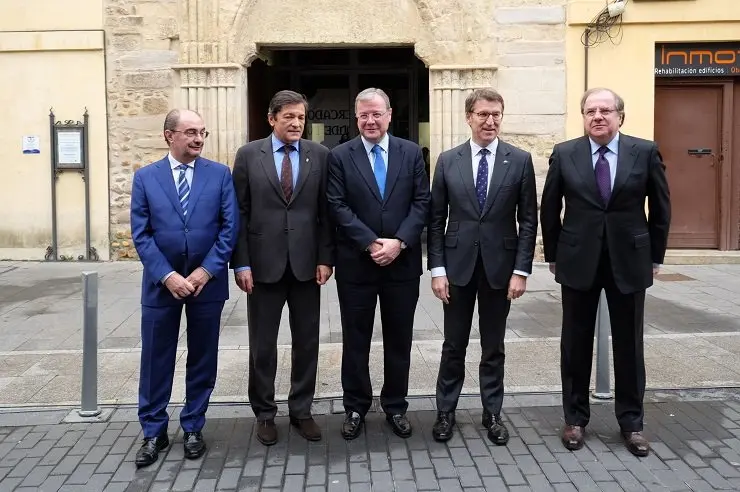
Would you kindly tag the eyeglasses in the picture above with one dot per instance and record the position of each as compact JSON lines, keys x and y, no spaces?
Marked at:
{"x":604,"y":112}
{"x":192,"y":133}
{"x":375,"y":116}
{"x":484,"y":115}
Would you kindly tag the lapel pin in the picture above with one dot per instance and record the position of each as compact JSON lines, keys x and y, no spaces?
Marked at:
{"x":306,"y":159}
{"x":506,"y":162}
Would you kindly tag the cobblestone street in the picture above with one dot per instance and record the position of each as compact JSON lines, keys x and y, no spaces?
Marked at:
{"x":695,"y":439}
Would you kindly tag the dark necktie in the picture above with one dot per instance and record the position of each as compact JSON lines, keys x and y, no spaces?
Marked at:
{"x":481,"y":181}
{"x":603,"y":175}
{"x":286,"y":173}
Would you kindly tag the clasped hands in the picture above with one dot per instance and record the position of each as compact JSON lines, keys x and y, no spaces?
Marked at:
{"x":181,"y":287}
{"x":383,"y":251}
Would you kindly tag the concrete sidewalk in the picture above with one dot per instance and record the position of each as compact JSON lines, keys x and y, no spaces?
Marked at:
{"x":692,"y":336}
{"x":694,"y":437}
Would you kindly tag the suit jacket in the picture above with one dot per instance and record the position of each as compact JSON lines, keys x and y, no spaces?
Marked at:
{"x":273,"y":231}
{"x":167,"y":240}
{"x":634,"y":242}
{"x":492,"y":232}
{"x":362,"y":216}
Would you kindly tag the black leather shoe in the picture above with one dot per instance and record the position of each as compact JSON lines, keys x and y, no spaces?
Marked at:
{"x":487,"y":419}
{"x":195,"y":446}
{"x":352,"y":425}
{"x":444,"y":426}
{"x":150,"y":449}
{"x":400,"y":424}
{"x":497,"y":432}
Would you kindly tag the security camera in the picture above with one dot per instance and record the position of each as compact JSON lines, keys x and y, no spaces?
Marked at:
{"x":615,"y":8}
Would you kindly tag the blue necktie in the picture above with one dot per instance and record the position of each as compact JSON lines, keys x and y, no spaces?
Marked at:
{"x":481,"y":181}
{"x":603,"y":175}
{"x":183,"y":189}
{"x":379,"y":169}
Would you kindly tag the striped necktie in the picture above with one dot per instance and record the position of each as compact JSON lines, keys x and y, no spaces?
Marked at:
{"x":183,"y":189}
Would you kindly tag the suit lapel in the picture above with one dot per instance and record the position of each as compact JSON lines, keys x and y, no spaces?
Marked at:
{"x":395,"y":159}
{"x":267,"y":161}
{"x":583,"y":161}
{"x":362,"y":163}
{"x":164,"y":176}
{"x":464,"y":165}
{"x":625,"y":162}
{"x":200,"y":178}
{"x":501,"y":168}
{"x":304,"y":168}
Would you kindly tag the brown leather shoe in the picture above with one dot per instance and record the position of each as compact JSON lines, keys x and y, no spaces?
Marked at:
{"x":307,"y":428}
{"x":572,"y":437}
{"x":267,"y":432}
{"x":636,"y":443}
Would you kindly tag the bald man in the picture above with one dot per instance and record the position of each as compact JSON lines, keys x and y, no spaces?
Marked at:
{"x":184,"y":223}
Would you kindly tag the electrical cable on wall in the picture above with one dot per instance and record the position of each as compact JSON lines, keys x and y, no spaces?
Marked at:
{"x":607,"y":24}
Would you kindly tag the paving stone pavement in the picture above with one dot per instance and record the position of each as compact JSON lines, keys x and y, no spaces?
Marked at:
{"x":695,"y":439}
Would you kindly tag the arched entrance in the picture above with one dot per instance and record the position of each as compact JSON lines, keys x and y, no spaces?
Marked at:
{"x":330,"y":78}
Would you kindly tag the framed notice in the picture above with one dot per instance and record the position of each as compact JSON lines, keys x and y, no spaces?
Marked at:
{"x":69,"y":148}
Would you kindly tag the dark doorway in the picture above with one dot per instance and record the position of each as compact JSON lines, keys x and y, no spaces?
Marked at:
{"x":330,"y":80}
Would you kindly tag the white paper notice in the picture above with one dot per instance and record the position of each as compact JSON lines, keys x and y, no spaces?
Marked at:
{"x":69,"y":147}
{"x":31,"y":144}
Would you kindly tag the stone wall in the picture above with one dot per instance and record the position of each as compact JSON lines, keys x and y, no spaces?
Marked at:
{"x":142,"y":45}
{"x":193,"y":53}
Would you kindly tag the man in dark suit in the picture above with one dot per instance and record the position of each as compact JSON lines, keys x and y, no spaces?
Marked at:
{"x":184,"y":224}
{"x":605,"y":241}
{"x":379,"y":198}
{"x":284,"y":254}
{"x":485,"y":187}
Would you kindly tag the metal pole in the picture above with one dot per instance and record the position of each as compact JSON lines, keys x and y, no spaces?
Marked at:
{"x":86,"y":177}
{"x":603,"y":328}
{"x":52,"y":153}
{"x":89,"y":406}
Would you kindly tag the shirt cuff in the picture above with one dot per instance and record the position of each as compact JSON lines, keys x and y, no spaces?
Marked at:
{"x":523,"y":274}
{"x":242,"y":269}
{"x":164,"y":279}
{"x":439,"y":272}
{"x":210,"y":276}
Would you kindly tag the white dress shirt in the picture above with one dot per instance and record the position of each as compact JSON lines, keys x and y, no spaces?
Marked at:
{"x":176,"y":172}
{"x":475,"y":150}
{"x":369,"y":150}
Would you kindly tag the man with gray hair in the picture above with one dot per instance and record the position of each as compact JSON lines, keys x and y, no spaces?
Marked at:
{"x":378,"y":195}
{"x":604,"y":241}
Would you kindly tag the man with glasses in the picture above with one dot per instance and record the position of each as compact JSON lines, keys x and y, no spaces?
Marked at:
{"x":284,"y":255}
{"x":184,"y":223}
{"x":481,"y":191}
{"x":604,"y":241}
{"x":379,"y":196}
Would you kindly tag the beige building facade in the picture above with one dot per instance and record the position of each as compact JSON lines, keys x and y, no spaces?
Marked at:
{"x":134,"y":60}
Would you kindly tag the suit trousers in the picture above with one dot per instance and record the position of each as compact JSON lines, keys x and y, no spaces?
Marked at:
{"x":357,"y":303}
{"x":160,"y":327}
{"x":626,"y":313}
{"x":493,"y":310}
{"x":264,"y":310}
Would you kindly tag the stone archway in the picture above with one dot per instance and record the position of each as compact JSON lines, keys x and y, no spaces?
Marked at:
{"x":220,"y":38}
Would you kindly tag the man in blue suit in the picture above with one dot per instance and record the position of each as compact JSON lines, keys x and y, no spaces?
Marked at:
{"x":378,"y":195}
{"x":184,"y":226}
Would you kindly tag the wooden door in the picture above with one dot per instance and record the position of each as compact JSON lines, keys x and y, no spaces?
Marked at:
{"x":688,"y":130}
